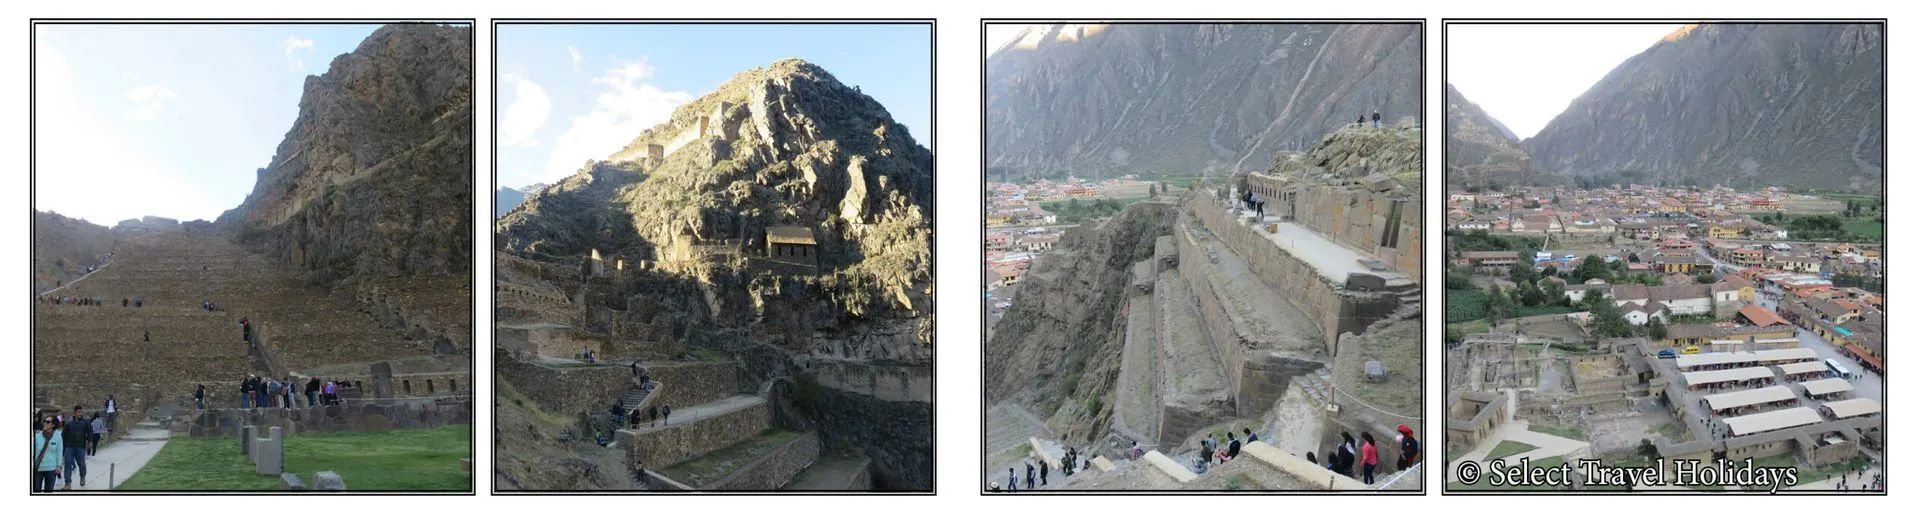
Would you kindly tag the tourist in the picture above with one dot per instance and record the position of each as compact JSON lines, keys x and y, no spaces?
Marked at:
{"x":273,"y":393}
{"x":636,"y":368}
{"x":1369,"y":457}
{"x":1376,"y":118}
{"x":1206,"y":445}
{"x":1311,"y":459}
{"x":1134,"y":452}
{"x":146,"y":336}
{"x":1013,"y":482}
{"x":653,"y":413}
{"x":666,"y":411}
{"x":1233,"y":445}
{"x":74,"y":439}
{"x":1409,"y":448}
{"x":113,"y":413}
{"x":313,"y":390}
{"x":1361,"y":122}
{"x":1029,"y":474}
{"x":287,"y":389}
{"x":1043,"y":472}
{"x":1251,"y":437}
{"x":246,"y":392}
{"x":1342,"y":460}
{"x":93,"y":439}
{"x":49,"y":455}
{"x":200,"y":396}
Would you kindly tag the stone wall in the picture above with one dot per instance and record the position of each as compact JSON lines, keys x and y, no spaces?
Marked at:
{"x":696,"y":383}
{"x":681,"y":442}
{"x":774,"y":469}
{"x":1357,"y":218}
{"x":566,"y":390}
{"x":1257,"y":380}
{"x":351,"y":417}
{"x":897,"y":435}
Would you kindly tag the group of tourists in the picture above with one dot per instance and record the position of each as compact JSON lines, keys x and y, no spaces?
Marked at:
{"x":1213,"y":452}
{"x":655,"y":415}
{"x":1252,"y":202}
{"x":1367,"y":454}
{"x":1877,"y":482}
{"x":208,"y":305}
{"x":90,"y":301}
{"x":266,"y":392}
{"x":133,"y":302}
{"x":1362,"y":121}
{"x":62,"y":443}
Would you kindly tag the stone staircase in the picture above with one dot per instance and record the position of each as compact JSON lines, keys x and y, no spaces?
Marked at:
{"x":1317,"y":385}
{"x":1408,"y":292}
{"x":635,"y":397}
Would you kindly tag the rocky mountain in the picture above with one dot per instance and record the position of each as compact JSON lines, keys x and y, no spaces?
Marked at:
{"x":375,"y":179}
{"x":1480,"y":150}
{"x":1737,"y":104}
{"x":785,"y":145}
{"x":1105,"y":100}
{"x":63,"y":248}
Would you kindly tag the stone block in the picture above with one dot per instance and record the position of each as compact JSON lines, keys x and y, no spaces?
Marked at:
{"x":328,"y":481}
{"x":291,"y":482}
{"x":269,"y":452}
{"x":246,"y":441}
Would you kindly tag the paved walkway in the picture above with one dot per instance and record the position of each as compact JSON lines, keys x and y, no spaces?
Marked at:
{"x":1546,"y":445}
{"x":686,"y":415}
{"x":123,"y":457}
{"x":1329,"y":258}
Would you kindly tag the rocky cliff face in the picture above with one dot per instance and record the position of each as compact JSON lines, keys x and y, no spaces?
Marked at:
{"x":375,"y":179}
{"x":1059,"y":346}
{"x":1735,"y":104}
{"x":1481,"y":151}
{"x":1106,"y":100}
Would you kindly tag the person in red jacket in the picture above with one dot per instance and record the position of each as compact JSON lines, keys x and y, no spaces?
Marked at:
{"x":1369,"y":457}
{"x":1409,"y":448}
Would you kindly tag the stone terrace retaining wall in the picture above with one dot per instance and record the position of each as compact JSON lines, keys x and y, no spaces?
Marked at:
{"x":566,"y":390}
{"x":775,"y":469}
{"x":692,"y":384}
{"x":227,"y":422}
{"x":683,"y":442}
{"x":1318,"y":297}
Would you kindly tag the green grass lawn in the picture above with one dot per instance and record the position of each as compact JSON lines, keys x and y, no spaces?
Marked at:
{"x":1567,"y":432}
{"x":1508,"y":448}
{"x":390,"y":460}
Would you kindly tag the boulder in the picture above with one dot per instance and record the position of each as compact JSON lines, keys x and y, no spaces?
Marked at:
{"x":291,"y":482}
{"x":328,"y":481}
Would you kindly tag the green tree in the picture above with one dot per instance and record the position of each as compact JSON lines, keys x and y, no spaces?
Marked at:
{"x":1590,"y":268}
{"x":1499,"y":305}
{"x":1608,"y":321}
{"x":1656,"y":329}
{"x":1528,"y":295}
{"x":1555,"y":293}
{"x":1522,"y":272}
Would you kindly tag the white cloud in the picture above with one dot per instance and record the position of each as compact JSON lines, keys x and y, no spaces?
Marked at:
{"x":85,"y":164}
{"x":148,"y":100}
{"x":625,"y":106}
{"x":575,"y":53}
{"x":527,"y":114}
{"x":295,"y":46}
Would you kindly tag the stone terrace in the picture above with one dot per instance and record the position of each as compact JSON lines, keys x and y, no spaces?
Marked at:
{"x":86,"y":352}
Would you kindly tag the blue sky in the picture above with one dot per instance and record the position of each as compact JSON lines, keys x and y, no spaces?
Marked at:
{"x":570,"y":93}
{"x":167,"y":120}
